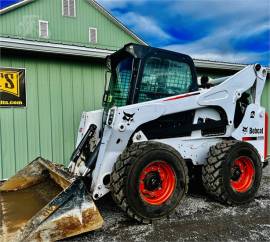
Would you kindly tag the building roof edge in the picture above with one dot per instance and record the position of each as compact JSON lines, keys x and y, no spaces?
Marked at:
{"x":107,"y":14}
{"x":74,"y":50}
{"x":14,"y":6}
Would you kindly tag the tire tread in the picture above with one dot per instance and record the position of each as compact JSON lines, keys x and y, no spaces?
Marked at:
{"x":211,"y":172}
{"x":119,"y":175}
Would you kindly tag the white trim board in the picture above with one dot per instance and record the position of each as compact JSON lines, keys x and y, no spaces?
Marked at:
{"x":29,"y":45}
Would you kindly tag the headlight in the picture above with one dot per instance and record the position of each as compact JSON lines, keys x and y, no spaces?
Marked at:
{"x":111,"y":116}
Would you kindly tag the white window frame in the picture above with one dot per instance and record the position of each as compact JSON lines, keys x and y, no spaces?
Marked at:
{"x":89,"y":35}
{"x":75,"y":10}
{"x":39,"y":28}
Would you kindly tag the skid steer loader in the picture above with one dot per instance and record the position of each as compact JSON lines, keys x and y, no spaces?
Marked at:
{"x":155,"y":123}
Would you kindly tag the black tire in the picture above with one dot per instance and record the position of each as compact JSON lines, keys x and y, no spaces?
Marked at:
{"x":220,"y":173}
{"x":125,"y":180}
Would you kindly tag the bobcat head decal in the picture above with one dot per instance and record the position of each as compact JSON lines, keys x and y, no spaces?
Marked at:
{"x":128,"y":117}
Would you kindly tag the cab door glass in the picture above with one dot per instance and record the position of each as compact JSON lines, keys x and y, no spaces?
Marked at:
{"x":164,"y":77}
{"x":120,"y":83}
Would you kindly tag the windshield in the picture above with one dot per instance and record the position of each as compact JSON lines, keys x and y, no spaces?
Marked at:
{"x":120,"y":83}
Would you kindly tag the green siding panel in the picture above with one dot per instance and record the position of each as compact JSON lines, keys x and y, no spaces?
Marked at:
{"x":1,"y":160}
{"x":23,"y":23}
{"x":32,"y":109}
{"x":67,"y":101}
{"x":20,"y":132}
{"x":58,"y":91}
{"x":7,"y":136}
{"x":56,"y":111}
{"x":7,"y":143}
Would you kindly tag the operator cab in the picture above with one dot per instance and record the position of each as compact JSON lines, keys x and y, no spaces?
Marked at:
{"x":142,"y":73}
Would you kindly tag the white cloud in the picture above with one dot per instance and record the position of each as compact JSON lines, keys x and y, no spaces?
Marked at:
{"x":241,"y":24}
{"x":256,"y":29}
{"x":113,"y":4}
{"x":143,"y":25}
{"x":221,"y":8}
{"x":198,"y":50}
{"x":223,"y":24}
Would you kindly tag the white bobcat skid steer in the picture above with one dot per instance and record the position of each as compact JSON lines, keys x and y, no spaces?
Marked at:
{"x":157,"y":122}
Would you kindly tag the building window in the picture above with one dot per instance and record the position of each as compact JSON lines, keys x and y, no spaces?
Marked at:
{"x":93,"y":35}
{"x":43,"y":29}
{"x":69,"y":8}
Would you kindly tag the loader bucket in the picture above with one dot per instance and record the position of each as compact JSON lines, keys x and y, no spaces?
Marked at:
{"x":43,"y":202}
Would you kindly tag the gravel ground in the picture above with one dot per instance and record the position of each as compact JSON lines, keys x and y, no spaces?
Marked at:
{"x":197,"y":218}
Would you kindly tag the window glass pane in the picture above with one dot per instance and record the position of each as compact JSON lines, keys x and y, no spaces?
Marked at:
{"x":120,"y":83}
{"x":93,"y":35}
{"x":72,"y":8}
{"x":65,"y":7}
{"x":164,"y":77}
{"x":43,"y":29}
{"x":69,"y":8}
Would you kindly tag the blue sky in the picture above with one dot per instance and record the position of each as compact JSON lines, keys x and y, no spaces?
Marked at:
{"x":6,"y":3}
{"x":223,"y":30}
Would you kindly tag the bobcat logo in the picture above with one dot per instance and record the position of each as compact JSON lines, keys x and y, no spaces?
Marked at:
{"x":128,"y":117}
{"x":245,"y":130}
{"x":252,"y":114}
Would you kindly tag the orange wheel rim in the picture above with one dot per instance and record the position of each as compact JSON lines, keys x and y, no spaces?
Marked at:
{"x":157,"y":182}
{"x":242,"y":174}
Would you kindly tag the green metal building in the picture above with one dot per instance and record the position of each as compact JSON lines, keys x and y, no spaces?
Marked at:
{"x":62,"y":45}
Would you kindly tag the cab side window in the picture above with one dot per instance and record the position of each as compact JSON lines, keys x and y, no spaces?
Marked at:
{"x":164,"y":77}
{"x":120,"y":83}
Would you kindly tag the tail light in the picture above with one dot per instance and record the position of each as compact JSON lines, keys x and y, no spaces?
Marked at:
{"x":266,"y":135}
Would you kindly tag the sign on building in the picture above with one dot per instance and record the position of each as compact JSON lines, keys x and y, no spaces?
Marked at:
{"x":12,"y":87}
